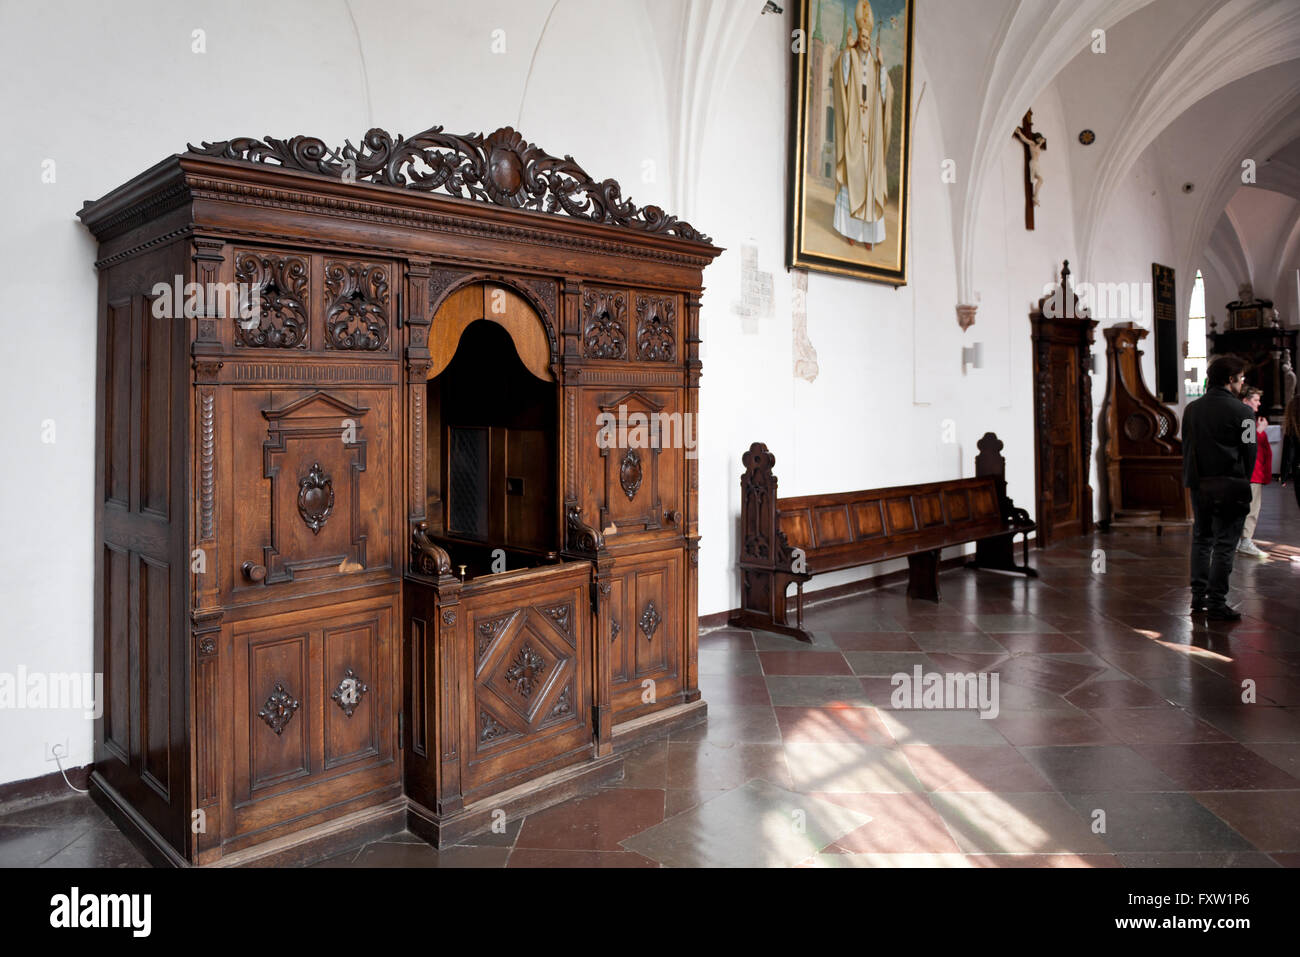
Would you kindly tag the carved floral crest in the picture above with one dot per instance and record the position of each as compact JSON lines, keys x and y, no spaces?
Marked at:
{"x":501,"y":168}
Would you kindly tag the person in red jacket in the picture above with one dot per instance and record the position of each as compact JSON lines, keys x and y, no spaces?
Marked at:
{"x":1262,"y":475}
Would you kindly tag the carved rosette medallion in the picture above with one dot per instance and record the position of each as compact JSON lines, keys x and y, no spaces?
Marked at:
{"x":525,"y":672}
{"x":315,"y":498}
{"x":630,"y":474}
{"x":349,"y":691}
{"x":604,"y":329}
{"x":655,"y":337}
{"x":357,"y":316}
{"x":650,"y":620}
{"x":279,"y":709}
{"x":279,"y":284}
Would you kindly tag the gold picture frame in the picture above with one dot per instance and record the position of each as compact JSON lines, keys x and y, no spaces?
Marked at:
{"x":850,"y":142}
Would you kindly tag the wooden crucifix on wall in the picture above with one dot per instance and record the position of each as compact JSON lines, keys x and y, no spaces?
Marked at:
{"x":1034,"y":144}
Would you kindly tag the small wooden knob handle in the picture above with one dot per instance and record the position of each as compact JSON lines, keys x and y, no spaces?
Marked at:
{"x":254,"y":572}
{"x":672,"y":518}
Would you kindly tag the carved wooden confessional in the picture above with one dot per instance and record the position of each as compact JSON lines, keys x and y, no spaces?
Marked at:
{"x":379,"y":540}
{"x":1141,"y":453}
{"x":1062,"y":338}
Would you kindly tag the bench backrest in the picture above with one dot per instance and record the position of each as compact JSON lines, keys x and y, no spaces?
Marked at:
{"x":843,"y":529}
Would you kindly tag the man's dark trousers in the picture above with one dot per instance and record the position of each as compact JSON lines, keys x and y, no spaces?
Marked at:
{"x":1216,"y":532}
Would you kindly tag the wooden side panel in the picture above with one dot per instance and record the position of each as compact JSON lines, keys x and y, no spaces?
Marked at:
{"x":142,"y":744}
{"x":652,"y":627}
{"x":295,"y":750}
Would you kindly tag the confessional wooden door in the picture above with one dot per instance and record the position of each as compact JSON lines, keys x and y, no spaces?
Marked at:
{"x":1062,"y":336}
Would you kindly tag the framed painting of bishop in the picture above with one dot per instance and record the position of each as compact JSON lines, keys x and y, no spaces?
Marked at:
{"x":850,"y":135}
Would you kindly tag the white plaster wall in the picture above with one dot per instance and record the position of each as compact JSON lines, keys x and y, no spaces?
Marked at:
{"x":890,"y":359}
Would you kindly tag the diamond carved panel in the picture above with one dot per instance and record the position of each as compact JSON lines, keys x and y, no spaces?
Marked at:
{"x":526,"y":664}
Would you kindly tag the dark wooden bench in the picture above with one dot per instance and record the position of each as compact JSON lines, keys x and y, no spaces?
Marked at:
{"x":785,"y":541}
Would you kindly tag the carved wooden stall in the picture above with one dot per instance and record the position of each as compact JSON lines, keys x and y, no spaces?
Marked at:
{"x":1143,"y":474}
{"x":1253,"y":332}
{"x":1062,"y":338}
{"x":367,"y":553}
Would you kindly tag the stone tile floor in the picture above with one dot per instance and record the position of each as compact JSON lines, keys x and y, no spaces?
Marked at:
{"x":1124,"y":737}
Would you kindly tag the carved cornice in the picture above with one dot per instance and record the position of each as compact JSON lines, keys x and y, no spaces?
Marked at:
{"x":501,"y":168}
{"x":299,"y":200}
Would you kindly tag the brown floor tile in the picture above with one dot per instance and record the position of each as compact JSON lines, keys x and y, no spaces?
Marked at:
{"x":729,"y":662}
{"x":1217,"y":767}
{"x":1284,"y":756}
{"x":959,"y":767}
{"x":849,"y":766}
{"x":900,"y":824}
{"x":1255,"y":722}
{"x":1046,"y":673}
{"x":734,"y":690}
{"x":731,"y":725}
{"x":802,"y":663}
{"x":595,"y":823}
{"x":1103,"y":767}
{"x":1115,"y":694}
{"x":1156,"y":725}
{"x":801,"y":725}
{"x":549,"y":857}
{"x":646,"y":767}
{"x":877,"y":641}
{"x":1015,"y":823}
{"x":817,"y":691}
{"x":957,"y":642}
{"x":940,"y":727}
{"x":1029,"y":643}
{"x":727,"y":639}
{"x":1052,"y":728}
{"x":1208,"y":859}
{"x":1044,"y":860}
{"x":677,"y":800}
{"x":404,"y":853}
{"x":757,"y":825}
{"x":1267,"y":819}
{"x":708,"y":766}
{"x":1155,"y":822}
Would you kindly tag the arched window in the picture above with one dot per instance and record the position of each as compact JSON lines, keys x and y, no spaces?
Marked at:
{"x":1194,"y":359}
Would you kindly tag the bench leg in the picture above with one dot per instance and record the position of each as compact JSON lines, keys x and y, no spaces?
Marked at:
{"x":999,"y":554}
{"x":923,"y":575}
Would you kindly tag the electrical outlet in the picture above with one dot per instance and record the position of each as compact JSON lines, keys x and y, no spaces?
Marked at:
{"x":61,"y":746}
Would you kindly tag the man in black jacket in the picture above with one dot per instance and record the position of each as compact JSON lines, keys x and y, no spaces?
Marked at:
{"x":1218,"y":459}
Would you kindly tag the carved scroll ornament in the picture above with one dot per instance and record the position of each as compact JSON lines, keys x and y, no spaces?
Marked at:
{"x":427,"y":556}
{"x":500,"y":168}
